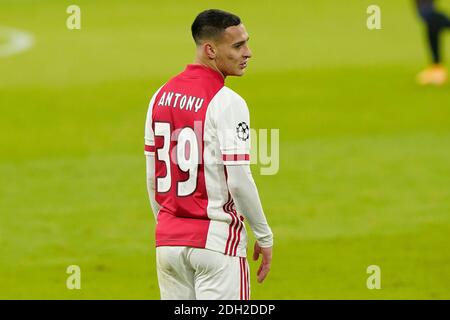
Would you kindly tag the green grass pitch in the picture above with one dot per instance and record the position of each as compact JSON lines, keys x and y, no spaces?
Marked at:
{"x":364,"y":173}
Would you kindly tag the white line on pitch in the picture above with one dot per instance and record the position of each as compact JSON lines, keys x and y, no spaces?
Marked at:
{"x":16,"y":41}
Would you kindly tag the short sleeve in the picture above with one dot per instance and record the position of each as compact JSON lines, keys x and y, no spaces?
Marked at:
{"x":233,"y":130}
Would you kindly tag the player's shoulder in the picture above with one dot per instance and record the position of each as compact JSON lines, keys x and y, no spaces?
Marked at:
{"x":155,"y":94}
{"x":159,"y":89}
{"x":230,"y":98}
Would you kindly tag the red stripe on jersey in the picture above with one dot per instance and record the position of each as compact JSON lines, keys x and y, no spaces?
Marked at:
{"x":230,"y":228}
{"x":245,"y":278}
{"x":224,"y":209}
{"x":237,"y":227}
{"x":247,"y":282}
{"x":239,"y":238}
{"x":229,"y":237}
{"x":149,"y":148}
{"x":236,"y":157}
{"x":237,"y":230}
{"x":241,"y":274}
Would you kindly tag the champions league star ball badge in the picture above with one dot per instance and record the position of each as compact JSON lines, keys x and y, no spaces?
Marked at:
{"x":243,"y":131}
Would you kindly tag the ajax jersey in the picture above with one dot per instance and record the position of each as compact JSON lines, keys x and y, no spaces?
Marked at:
{"x":196,"y":127}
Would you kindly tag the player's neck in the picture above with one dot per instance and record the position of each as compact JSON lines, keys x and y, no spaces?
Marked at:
{"x":209,"y":64}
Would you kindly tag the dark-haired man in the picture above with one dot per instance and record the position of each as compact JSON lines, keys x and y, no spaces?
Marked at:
{"x":197,"y":145}
{"x":435,"y":22}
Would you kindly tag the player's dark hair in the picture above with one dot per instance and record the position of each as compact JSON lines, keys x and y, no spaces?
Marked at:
{"x":210,"y":24}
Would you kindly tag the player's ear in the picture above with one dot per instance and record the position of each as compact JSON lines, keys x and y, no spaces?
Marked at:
{"x":210,"y":50}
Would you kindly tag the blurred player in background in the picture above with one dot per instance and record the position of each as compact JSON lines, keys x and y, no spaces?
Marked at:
{"x":436,"y":22}
{"x":197,"y":145}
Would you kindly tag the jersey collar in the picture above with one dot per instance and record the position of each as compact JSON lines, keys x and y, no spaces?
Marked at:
{"x":203,"y":71}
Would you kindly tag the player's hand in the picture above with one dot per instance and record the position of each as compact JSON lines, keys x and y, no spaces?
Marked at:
{"x":264,"y":268}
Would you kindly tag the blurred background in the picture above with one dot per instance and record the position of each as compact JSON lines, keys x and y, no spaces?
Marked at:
{"x":364,"y":173}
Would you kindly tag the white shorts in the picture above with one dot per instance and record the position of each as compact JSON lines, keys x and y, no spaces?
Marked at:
{"x":186,"y":273}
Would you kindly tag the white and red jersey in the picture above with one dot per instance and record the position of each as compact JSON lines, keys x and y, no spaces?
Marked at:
{"x":195,"y":126}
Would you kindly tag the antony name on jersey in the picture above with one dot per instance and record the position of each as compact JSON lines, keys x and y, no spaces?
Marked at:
{"x":181,"y":101}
